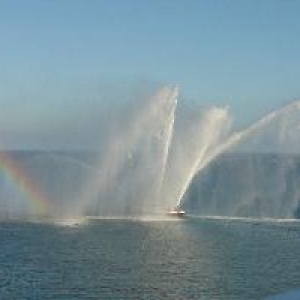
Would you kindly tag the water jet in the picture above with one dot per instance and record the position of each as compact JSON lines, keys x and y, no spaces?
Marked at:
{"x":146,"y":166}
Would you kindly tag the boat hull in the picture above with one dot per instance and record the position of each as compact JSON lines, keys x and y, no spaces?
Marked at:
{"x":176,"y":213}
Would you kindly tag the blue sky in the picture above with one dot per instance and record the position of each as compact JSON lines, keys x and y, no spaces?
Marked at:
{"x":59,"y":59}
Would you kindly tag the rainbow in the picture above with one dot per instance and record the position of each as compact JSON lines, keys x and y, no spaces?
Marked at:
{"x":23,"y":184}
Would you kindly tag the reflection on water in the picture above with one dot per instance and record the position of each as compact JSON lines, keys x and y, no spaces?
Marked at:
{"x":131,"y":259}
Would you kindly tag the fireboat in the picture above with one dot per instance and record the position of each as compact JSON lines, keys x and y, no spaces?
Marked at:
{"x":176,"y":212}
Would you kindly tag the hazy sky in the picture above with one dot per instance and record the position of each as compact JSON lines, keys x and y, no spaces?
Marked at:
{"x":61,"y":61}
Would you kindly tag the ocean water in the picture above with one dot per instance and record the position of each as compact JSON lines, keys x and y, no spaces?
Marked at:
{"x":192,"y":258}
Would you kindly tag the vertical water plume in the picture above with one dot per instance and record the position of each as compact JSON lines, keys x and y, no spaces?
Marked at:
{"x":193,"y":139}
{"x":134,"y":161}
{"x":170,"y":119}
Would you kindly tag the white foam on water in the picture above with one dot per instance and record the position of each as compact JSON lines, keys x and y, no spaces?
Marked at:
{"x":71,"y":222}
{"x":247,"y":219}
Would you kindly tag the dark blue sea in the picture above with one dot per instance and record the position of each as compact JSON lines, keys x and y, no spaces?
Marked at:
{"x":190,"y":258}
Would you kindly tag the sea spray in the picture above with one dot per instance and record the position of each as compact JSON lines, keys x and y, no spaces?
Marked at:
{"x":149,"y":160}
{"x":200,"y":132}
{"x":169,"y":137}
{"x":134,"y":158}
{"x":232,"y":140}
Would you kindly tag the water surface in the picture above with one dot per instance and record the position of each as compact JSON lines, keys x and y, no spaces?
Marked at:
{"x":133,"y":259}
